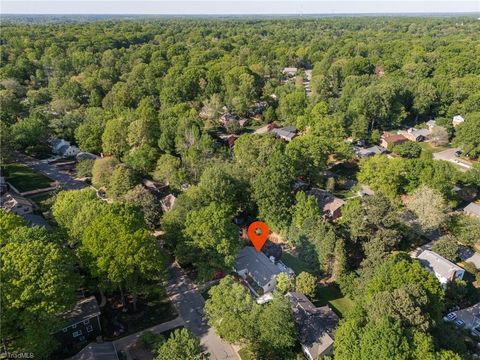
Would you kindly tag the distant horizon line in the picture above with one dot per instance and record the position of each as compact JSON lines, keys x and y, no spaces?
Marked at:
{"x":473,"y":13}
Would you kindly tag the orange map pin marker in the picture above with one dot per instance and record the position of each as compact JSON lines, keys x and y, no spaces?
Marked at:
{"x":258,"y":240}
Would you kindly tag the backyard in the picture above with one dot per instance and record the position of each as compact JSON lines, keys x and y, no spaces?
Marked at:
{"x":25,"y":179}
{"x":296,"y":264}
{"x":332,"y":296}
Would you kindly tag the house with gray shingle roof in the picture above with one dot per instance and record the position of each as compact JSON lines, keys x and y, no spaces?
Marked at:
{"x":286,"y":133}
{"x":443,"y":269}
{"x":315,"y":326}
{"x":259,"y":267}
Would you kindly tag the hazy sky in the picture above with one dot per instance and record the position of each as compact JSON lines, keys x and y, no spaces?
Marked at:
{"x":234,"y":7}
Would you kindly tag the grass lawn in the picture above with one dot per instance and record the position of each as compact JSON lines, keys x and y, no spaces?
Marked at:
{"x":430,"y":148}
{"x":25,"y":179}
{"x":296,"y":264}
{"x":332,"y":296}
{"x":246,"y":354}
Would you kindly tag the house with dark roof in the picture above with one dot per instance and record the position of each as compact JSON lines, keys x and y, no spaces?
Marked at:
{"x":229,"y":117}
{"x":443,"y":269}
{"x":472,"y":209}
{"x":286,"y":133}
{"x":256,"y":265}
{"x":82,"y":323}
{"x":328,"y":203}
{"x":315,"y":326}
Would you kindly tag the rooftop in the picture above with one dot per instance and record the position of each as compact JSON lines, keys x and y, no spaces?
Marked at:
{"x":83,"y":310}
{"x":258,"y":265}
{"x":316,"y":325}
{"x":287,"y":132}
{"x":326,"y":201}
{"x":438,"y":264}
{"x":472,"y":208}
{"x":389,"y":137}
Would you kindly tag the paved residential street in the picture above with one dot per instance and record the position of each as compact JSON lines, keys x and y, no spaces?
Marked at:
{"x":450,"y":155}
{"x":189,"y":303}
{"x":65,"y":180}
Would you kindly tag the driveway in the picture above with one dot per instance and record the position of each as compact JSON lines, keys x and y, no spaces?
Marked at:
{"x":468,"y":255}
{"x":451,"y":156}
{"x":468,"y":315}
{"x":66,"y":181}
{"x":189,"y":304}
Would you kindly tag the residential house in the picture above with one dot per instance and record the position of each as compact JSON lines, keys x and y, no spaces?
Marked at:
{"x":457,"y":120}
{"x":390,"y":139}
{"x":83,"y":323}
{"x":16,"y":204}
{"x":329,"y":203}
{"x":290,"y":71}
{"x":443,"y":269}
{"x":416,"y":135}
{"x":367,"y":152}
{"x":472,"y":209}
{"x":257,"y":266}
{"x":228,"y":117}
{"x":315,"y":326}
{"x":286,"y":133}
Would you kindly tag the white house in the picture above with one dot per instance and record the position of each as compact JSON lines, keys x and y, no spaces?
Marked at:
{"x":259,"y":267}
{"x":457,"y":120}
{"x":443,"y":269}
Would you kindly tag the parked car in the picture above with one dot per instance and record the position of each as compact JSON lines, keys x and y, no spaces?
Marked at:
{"x":450,"y":317}
{"x":476,"y":331}
{"x":460,"y":323}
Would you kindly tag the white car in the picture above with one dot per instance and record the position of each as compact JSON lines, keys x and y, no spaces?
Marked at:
{"x":450,"y":317}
